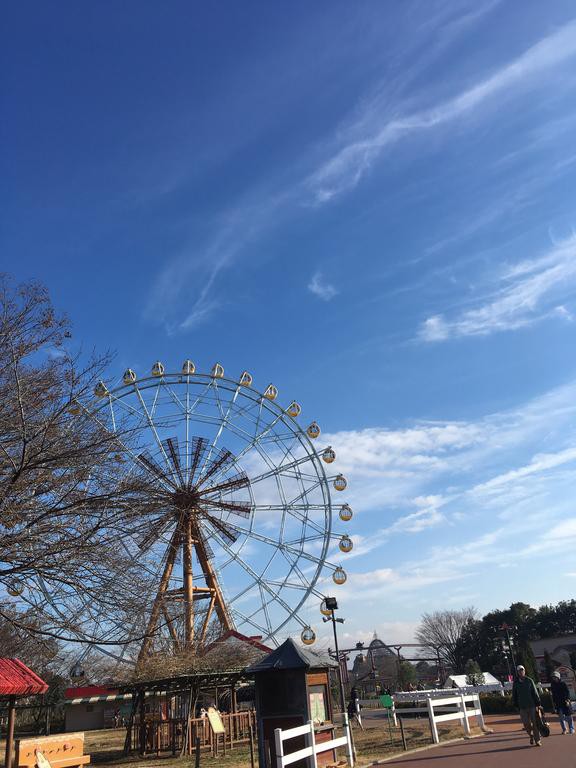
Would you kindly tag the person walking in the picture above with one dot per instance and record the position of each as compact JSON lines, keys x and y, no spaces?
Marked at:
{"x":561,"y":699}
{"x":526,"y":699}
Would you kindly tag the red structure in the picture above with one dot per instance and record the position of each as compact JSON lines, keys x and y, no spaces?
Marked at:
{"x":16,"y":680}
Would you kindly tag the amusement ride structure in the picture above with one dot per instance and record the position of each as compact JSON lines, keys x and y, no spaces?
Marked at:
{"x":238,"y":525}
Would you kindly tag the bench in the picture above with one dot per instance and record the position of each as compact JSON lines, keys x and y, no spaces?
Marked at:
{"x":64,"y":750}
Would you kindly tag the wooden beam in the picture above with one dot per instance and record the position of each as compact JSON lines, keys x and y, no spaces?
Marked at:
{"x":188,"y":583}
{"x":156,"y":606}
{"x":207,"y":618}
{"x":10,"y":731}
{"x":212,"y":582}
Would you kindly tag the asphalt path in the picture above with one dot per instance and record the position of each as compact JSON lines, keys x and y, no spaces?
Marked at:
{"x":507,"y":747}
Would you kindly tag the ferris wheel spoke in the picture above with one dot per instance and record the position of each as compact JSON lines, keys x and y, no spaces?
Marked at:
{"x":297,"y":514}
{"x":283,"y":469}
{"x":277,"y":545}
{"x":250,"y":571}
{"x":225,"y":414}
{"x":250,"y":621}
{"x":265,"y":610}
{"x":152,"y":427}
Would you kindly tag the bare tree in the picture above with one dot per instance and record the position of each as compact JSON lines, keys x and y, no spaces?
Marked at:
{"x":65,"y":499}
{"x":448,"y":632}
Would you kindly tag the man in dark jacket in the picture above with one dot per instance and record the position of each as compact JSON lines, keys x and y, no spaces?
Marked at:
{"x":561,"y":699}
{"x":526,"y":699}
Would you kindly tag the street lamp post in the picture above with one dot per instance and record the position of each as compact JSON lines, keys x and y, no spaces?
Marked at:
{"x":332,"y":605}
{"x":506,"y":628}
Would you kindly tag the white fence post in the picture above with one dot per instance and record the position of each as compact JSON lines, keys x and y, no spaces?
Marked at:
{"x":279,"y":747}
{"x":349,"y":739}
{"x":480,"y":715}
{"x":312,"y":745}
{"x":433,"y":727}
{"x":465,"y":722}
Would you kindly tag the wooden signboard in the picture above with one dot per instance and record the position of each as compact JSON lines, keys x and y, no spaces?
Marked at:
{"x":215,"y":721}
{"x":64,"y":750}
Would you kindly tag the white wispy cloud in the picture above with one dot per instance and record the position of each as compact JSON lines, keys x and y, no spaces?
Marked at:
{"x":349,"y":164}
{"x":540,"y":463}
{"x":321,"y":288}
{"x":183,"y":294}
{"x":434,"y":475}
{"x":523,"y":294}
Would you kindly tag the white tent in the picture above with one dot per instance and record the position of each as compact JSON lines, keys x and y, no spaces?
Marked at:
{"x":459,"y":681}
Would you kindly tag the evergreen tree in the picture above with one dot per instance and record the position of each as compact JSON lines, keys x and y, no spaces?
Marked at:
{"x":548,"y":666}
{"x":474,"y":675}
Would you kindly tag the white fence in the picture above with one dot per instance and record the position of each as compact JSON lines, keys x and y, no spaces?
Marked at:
{"x":313,"y":748}
{"x":438,"y":693}
{"x":450,"y":708}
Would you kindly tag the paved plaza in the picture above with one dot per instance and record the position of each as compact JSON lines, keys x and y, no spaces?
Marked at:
{"x":507,"y":747}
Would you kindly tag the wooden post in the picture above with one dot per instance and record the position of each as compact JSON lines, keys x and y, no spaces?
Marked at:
{"x":10,"y":731}
{"x":251,"y":745}
{"x":400,"y":720}
{"x":197,"y":750}
{"x":142,"y":735}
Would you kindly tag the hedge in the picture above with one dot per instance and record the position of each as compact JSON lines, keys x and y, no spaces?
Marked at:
{"x":495,"y":704}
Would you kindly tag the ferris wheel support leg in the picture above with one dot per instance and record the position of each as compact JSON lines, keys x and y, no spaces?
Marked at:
{"x":212,"y":582}
{"x":207,"y":619}
{"x":158,"y":601}
{"x":188,"y":581}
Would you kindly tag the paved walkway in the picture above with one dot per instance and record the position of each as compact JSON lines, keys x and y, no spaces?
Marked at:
{"x":507,"y":747}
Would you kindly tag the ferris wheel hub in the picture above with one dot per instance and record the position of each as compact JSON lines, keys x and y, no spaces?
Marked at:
{"x":186,"y":499}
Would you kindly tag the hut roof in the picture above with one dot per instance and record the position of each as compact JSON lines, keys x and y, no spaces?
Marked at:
{"x":291,"y":656}
{"x":16,"y":679}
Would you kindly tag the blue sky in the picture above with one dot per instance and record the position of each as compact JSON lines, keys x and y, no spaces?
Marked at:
{"x":369,"y":204}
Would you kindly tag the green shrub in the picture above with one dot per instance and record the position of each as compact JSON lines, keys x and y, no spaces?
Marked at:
{"x":494,"y":704}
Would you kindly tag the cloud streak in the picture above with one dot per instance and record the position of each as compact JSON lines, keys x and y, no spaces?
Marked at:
{"x":524,"y":294}
{"x":351,"y":162}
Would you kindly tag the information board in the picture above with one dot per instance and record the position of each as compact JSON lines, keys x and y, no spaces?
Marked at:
{"x":215,"y":720}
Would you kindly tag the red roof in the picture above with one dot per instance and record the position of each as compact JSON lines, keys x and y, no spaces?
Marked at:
{"x":83,"y":691}
{"x":17,"y":680}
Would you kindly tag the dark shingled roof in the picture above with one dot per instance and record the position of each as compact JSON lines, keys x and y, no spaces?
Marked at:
{"x":291,"y":656}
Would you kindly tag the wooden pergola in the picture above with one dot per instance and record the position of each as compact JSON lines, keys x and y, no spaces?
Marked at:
{"x":187,"y":685}
{"x":16,"y":681}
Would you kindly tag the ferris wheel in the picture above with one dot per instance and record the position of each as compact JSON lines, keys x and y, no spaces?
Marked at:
{"x":237,"y":529}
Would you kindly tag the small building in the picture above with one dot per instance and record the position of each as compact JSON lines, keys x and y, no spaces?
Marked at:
{"x":292,"y":687}
{"x":562,"y":652}
{"x":93,"y":707}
